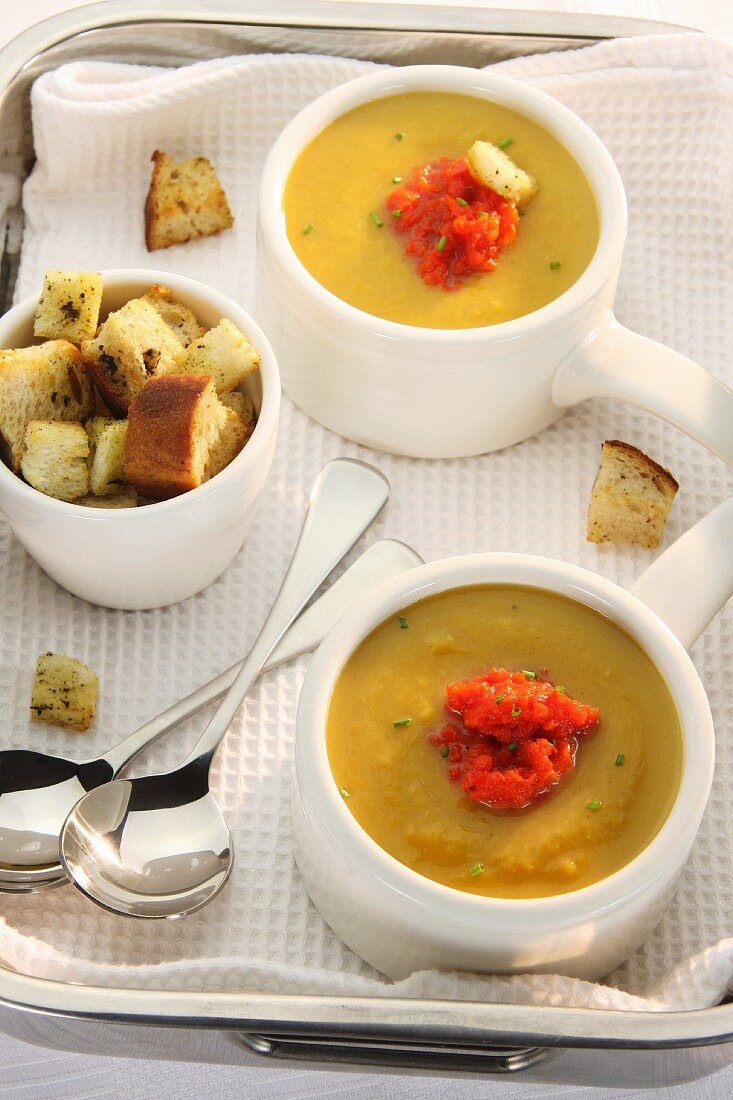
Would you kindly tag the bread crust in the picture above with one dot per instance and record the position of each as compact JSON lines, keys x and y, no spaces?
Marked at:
{"x":660,"y":475}
{"x":160,"y":444}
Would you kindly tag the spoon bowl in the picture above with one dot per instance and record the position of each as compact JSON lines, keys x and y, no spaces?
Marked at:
{"x":36,"y":794}
{"x":152,"y":847}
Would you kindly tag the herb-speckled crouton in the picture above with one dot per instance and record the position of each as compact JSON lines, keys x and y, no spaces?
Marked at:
{"x":631,"y":497}
{"x":106,"y":444}
{"x":124,"y":498}
{"x":132,"y":344}
{"x":45,"y":382}
{"x":223,"y":352}
{"x":243,"y":404}
{"x":230,"y":438}
{"x":64,"y":692}
{"x":185,"y":200}
{"x":68,"y":308}
{"x":182,"y":321}
{"x":55,"y":459}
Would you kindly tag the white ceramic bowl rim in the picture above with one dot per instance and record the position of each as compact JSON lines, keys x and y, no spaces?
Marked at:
{"x":190,"y":289}
{"x":580,"y":140}
{"x":415,"y":891}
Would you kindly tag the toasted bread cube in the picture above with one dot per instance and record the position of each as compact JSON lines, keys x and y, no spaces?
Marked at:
{"x":106,"y":444}
{"x":55,"y":459}
{"x":124,"y":498}
{"x":182,"y":321}
{"x":173,"y":424}
{"x":64,"y":692}
{"x":132,"y":344}
{"x":185,"y":200}
{"x":493,"y":168}
{"x":68,"y":308}
{"x":243,"y":404}
{"x":231,"y":437}
{"x":631,"y":497}
{"x":46,"y":382}
{"x":223,"y":352}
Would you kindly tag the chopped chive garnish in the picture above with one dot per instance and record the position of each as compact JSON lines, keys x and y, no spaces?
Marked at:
{"x":444,"y":751}
{"x":513,"y":745}
{"x":483,"y":214}
{"x":403,"y":622}
{"x":477,"y":869}
{"x":399,"y":135}
{"x":396,"y":179}
{"x":619,"y":760}
{"x":376,"y":218}
{"x":460,"y":201}
{"x":560,"y":688}
{"x":308,"y":227}
{"x":442,"y":243}
{"x":396,"y":213}
{"x":498,"y":698}
{"x":529,"y":675}
{"x":516,"y":711}
{"x":594,"y":804}
{"x":505,"y":143}
{"x":402,"y":722}
{"x":554,"y":265}
{"x":344,"y":793}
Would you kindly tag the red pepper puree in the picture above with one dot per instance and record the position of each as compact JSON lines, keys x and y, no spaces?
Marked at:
{"x":518,"y":734}
{"x":451,"y":224}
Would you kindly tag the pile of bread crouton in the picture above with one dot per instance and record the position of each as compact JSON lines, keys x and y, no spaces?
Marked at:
{"x":139,"y":409}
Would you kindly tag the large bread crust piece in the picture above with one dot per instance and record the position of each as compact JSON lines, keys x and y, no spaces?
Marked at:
{"x":185,"y":201}
{"x":631,"y":497}
{"x":167,"y":436}
{"x":45,"y":382}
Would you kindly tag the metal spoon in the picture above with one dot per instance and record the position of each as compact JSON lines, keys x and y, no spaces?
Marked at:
{"x":37,"y":792}
{"x":158,"y":846}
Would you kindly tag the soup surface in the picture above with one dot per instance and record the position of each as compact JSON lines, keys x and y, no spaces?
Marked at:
{"x":346,"y":174}
{"x":602,"y":812}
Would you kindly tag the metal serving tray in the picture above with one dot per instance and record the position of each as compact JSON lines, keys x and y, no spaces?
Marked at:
{"x":543,"y":1044}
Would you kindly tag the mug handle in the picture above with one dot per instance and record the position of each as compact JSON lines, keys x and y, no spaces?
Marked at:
{"x":689,"y":583}
{"x":615,"y":362}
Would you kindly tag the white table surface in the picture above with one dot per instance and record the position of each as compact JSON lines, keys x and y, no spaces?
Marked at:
{"x":34,"y":1073}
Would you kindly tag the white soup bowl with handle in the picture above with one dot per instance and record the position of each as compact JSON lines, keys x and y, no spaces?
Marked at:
{"x":445,"y":393}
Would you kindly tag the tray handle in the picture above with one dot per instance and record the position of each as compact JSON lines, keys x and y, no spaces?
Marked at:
{"x":397,"y":1054}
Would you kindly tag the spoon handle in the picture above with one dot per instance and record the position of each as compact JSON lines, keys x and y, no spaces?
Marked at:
{"x":379,"y":562}
{"x":346,"y":497}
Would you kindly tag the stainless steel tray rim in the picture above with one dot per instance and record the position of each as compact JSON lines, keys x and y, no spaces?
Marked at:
{"x":366,"y":1018}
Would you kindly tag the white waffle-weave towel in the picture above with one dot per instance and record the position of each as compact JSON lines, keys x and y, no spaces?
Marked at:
{"x":664,"y":106}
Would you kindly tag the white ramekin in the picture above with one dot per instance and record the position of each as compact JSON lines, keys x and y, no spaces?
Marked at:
{"x":402,"y":922}
{"x":443,"y":393}
{"x":136,"y":558}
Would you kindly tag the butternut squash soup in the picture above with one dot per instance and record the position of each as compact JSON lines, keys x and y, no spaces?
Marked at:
{"x":440,"y":210}
{"x":505,"y":741}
